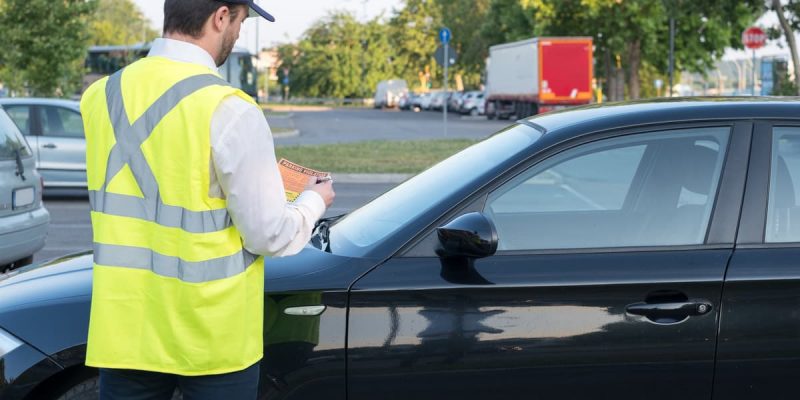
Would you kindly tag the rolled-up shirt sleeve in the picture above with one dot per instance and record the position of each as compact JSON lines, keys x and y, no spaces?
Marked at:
{"x":246,"y":170}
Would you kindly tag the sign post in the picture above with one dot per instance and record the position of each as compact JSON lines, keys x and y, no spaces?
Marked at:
{"x":444,"y":36}
{"x":754,"y":38}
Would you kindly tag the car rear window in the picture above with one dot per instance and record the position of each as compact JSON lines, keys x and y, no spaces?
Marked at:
{"x":11,"y":139}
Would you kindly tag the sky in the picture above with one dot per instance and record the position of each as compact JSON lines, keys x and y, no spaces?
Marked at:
{"x":292,"y":17}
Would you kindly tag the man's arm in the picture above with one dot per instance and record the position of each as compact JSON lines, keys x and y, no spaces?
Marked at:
{"x":243,"y":159}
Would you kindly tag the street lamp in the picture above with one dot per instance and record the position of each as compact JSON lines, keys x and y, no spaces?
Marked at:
{"x":671,"y":6}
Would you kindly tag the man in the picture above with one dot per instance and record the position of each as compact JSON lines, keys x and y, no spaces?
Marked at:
{"x":186,"y":196}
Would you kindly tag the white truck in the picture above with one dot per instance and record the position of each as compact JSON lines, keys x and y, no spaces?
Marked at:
{"x":388,"y":93}
{"x":537,"y":75}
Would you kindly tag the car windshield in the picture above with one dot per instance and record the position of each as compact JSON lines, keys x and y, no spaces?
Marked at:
{"x":11,"y":141}
{"x":363,"y":229}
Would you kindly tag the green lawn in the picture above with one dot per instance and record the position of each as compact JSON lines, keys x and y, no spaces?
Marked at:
{"x":374,"y":156}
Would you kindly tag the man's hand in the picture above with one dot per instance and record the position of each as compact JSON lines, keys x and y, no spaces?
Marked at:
{"x":324,"y":189}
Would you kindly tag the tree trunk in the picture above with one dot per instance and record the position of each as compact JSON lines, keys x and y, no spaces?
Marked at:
{"x":787,"y":31}
{"x":634,"y":63}
{"x":615,"y":80}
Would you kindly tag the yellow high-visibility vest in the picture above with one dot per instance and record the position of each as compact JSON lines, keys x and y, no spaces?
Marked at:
{"x":173,"y":288}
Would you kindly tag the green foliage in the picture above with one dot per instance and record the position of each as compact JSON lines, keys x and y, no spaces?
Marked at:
{"x":375,"y":156}
{"x":414,"y":29}
{"x":788,"y":23}
{"x":465,"y":18}
{"x":339,"y":57}
{"x":44,"y":44}
{"x":634,"y":31}
{"x":120,"y":22}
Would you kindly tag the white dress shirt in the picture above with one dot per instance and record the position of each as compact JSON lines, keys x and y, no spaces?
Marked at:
{"x":244,"y":169}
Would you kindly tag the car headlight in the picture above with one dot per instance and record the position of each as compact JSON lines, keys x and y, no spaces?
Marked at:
{"x":7,"y":343}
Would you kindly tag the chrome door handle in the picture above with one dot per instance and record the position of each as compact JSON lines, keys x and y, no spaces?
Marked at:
{"x":49,"y":146}
{"x":670,"y":312}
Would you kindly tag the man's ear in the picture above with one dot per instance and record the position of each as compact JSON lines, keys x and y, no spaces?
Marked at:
{"x":221,"y":18}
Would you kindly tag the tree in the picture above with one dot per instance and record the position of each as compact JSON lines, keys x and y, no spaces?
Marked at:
{"x":464,"y":18}
{"x":630,"y":35}
{"x":120,"y":22}
{"x":788,"y":25}
{"x":339,"y":57}
{"x":414,"y":29}
{"x":44,"y":44}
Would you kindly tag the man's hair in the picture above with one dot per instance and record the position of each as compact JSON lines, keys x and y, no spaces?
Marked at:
{"x":189,"y":16}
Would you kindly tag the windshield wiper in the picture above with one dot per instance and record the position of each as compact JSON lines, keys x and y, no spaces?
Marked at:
{"x":20,"y":167}
{"x":320,"y":236}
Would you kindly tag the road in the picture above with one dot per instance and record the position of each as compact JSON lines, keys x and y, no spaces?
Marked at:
{"x":358,"y":124}
{"x":71,"y":231}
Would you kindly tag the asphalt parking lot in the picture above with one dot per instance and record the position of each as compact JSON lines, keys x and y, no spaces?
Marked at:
{"x":344,"y":125}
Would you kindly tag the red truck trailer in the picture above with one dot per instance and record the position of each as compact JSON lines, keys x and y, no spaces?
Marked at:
{"x":537,"y":75}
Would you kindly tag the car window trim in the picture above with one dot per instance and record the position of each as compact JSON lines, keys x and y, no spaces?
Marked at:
{"x":477,"y":201}
{"x":753,"y":222}
{"x":727,"y":208}
{"x":36,"y":121}
{"x":32,"y":117}
{"x":42,"y":109}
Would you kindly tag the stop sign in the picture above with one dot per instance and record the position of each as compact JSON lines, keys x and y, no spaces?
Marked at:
{"x":754,"y":38}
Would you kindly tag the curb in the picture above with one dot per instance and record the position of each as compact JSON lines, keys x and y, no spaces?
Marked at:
{"x":369,"y":178}
{"x":286,"y":134}
{"x":287,"y":116}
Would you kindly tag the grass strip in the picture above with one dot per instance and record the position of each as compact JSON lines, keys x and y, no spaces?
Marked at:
{"x":405,"y":157}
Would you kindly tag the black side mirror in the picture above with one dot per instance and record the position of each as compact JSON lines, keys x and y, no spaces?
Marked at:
{"x":468,"y":236}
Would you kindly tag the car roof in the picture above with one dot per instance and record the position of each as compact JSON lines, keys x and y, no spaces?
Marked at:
{"x":39,"y":101}
{"x":598,"y":117}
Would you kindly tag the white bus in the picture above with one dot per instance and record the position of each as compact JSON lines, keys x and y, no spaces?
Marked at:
{"x":102,"y":61}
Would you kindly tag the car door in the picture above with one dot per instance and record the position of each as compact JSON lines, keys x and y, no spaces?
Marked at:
{"x":759,"y":349}
{"x":606,"y":282}
{"x":25,"y":119}
{"x":61,"y":146}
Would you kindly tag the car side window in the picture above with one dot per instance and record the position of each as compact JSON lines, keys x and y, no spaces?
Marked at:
{"x":59,"y":121}
{"x":647,"y":189}
{"x":11,"y":141}
{"x":783,"y":213}
{"x":21,"y":115}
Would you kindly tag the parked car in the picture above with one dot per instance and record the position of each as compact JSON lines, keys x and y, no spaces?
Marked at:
{"x":439,"y":99}
{"x":622,"y":251}
{"x":23,"y":218}
{"x":427,"y":99}
{"x":456,"y":99}
{"x":474,"y":103}
{"x":54,"y":129}
{"x":407,"y":101}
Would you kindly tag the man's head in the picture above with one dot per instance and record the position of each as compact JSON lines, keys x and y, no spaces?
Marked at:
{"x":212,"y":25}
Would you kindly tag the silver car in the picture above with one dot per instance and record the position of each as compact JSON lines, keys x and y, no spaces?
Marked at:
{"x":54,"y":130}
{"x":23,"y":218}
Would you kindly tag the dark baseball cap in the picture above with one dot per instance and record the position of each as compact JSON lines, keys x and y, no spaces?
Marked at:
{"x":255,"y":10}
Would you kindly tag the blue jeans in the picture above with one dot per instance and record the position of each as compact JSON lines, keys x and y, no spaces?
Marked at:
{"x":121,"y":384}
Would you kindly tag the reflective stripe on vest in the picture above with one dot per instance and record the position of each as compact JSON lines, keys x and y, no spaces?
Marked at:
{"x":127,"y":151}
{"x":173,"y":267}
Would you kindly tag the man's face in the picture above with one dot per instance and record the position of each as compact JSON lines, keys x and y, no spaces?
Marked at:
{"x":231,"y":35}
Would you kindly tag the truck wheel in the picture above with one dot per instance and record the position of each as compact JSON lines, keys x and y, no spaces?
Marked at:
{"x":89,"y":389}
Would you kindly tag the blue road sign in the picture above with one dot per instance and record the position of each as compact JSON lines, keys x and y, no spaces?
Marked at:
{"x":445,"y":35}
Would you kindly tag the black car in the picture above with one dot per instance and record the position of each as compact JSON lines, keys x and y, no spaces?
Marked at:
{"x":645,"y":250}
